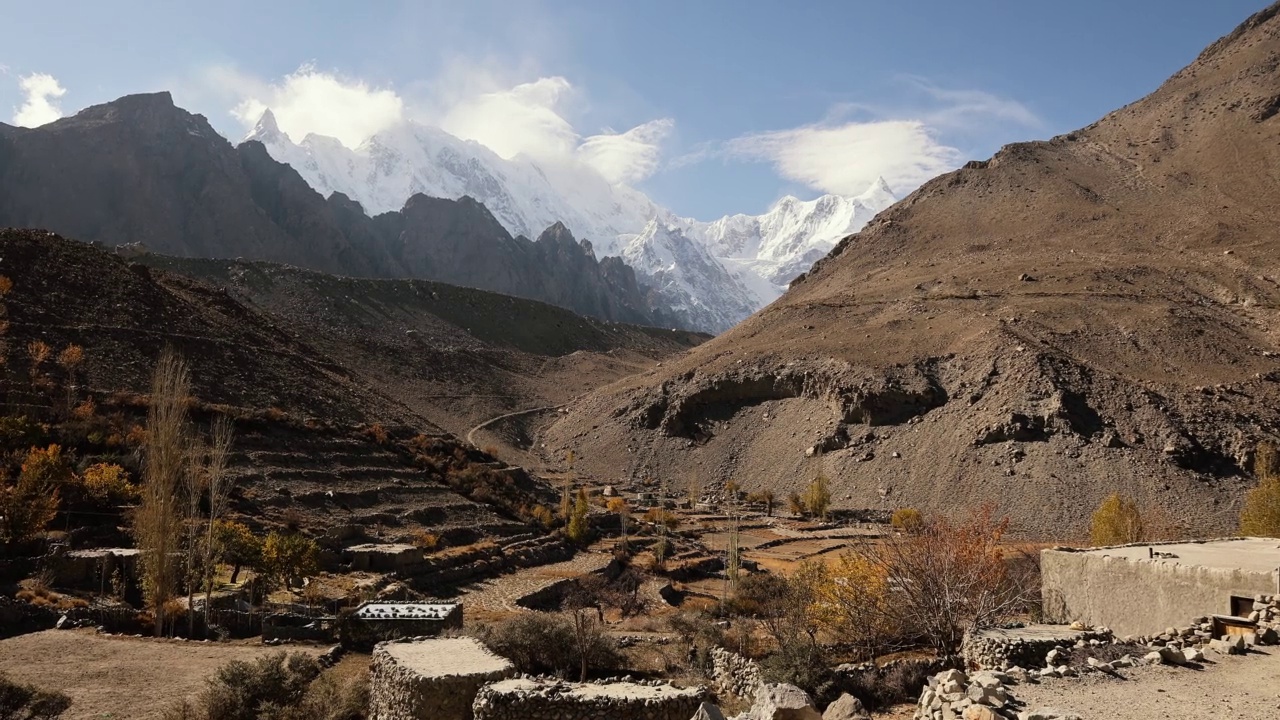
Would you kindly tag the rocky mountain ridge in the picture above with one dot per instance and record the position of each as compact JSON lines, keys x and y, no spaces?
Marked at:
{"x":140,"y":170}
{"x":735,"y":265}
{"x":1074,"y":317}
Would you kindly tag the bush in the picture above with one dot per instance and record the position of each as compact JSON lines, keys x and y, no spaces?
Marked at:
{"x":907,"y":519}
{"x":26,"y":702}
{"x":801,"y":662}
{"x":20,"y":431}
{"x":428,"y":541}
{"x":108,"y":482}
{"x":1116,"y":522}
{"x":261,"y":689}
{"x":543,"y":643}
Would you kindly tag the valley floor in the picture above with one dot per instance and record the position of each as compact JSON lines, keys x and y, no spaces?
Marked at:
{"x":120,"y":677}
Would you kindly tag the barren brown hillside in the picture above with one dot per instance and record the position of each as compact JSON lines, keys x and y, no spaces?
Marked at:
{"x":1092,"y":313}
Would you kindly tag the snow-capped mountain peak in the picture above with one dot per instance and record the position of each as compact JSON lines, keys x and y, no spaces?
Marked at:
{"x":716,"y":272}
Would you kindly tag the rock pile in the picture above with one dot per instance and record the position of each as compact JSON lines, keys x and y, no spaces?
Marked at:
{"x":952,"y":694}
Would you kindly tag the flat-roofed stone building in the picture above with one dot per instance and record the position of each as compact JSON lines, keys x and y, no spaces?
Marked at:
{"x":1142,"y":589}
{"x":432,"y":679}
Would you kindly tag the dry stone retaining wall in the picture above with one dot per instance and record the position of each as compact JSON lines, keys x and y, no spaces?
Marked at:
{"x":1002,"y":649}
{"x":430,"y":679}
{"x":527,"y":698}
{"x":734,"y":674}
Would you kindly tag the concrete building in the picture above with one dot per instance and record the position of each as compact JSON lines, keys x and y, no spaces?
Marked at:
{"x":1142,"y":589}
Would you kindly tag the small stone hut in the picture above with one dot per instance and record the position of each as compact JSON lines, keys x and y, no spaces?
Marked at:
{"x":375,"y":622}
{"x":433,"y":679}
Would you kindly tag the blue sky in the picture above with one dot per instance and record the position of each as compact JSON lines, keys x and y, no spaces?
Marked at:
{"x":710,"y":107}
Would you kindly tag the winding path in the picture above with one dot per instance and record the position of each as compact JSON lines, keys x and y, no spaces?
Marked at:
{"x":471,"y":433}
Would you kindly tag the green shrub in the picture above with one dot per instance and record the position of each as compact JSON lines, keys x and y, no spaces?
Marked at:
{"x":543,"y":643}
{"x":257,"y":690}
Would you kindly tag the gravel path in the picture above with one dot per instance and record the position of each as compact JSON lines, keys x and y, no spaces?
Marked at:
{"x":501,"y":593}
{"x":1227,"y":688}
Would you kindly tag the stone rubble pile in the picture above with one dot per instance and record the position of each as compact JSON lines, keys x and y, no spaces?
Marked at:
{"x":984,"y":695}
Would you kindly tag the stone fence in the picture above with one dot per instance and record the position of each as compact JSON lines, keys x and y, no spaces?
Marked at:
{"x":1003,"y":648}
{"x":527,"y":698}
{"x":734,"y":674}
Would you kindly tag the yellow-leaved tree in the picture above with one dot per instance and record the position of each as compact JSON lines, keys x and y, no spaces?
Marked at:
{"x":1260,"y":516}
{"x":1117,"y":521}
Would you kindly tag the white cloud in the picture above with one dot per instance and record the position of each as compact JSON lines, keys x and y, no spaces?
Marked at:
{"x":905,"y":146}
{"x":846,"y":159}
{"x":627,"y":157}
{"x":40,"y":106}
{"x":471,"y":102}
{"x":525,"y":119}
{"x":309,"y":101}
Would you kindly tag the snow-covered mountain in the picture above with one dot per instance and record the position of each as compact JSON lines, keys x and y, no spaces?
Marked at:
{"x":713,"y":274}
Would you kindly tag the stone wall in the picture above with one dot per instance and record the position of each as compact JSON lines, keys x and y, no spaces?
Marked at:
{"x":734,"y":674}
{"x":1001,"y":649}
{"x":1139,"y":597}
{"x":432,"y":679}
{"x":548,"y":699}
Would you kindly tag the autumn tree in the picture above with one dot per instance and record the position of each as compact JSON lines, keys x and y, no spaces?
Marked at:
{"x":70,"y":359}
{"x":1117,"y":521}
{"x":854,"y":605}
{"x":765,"y":497}
{"x":108,"y":482}
{"x":1260,"y":516}
{"x":619,"y":507}
{"x":577,"y":528}
{"x":817,"y":498}
{"x":288,"y":558}
{"x":237,"y":546}
{"x":27,"y":506}
{"x":158,"y":522}
{"x":949,"y":578}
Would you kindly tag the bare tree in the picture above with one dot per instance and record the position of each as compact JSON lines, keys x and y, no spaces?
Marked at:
{"x":158,"y":521}
{"x":949,"y":578}
{"x":193,"y":483}
{"x":219,"y":485}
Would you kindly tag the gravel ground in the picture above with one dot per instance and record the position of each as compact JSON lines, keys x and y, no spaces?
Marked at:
{"x":1226,"y":688}
{"x":112,"y":677}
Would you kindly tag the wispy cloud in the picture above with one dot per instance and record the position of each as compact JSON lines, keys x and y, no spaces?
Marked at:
{"x":510,"y":118}
{"x":846,"y":159}
{"x":854,"y":144}
{"x":40,"y":105}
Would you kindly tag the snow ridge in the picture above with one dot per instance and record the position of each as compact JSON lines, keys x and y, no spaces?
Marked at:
{"x":710,"y":274}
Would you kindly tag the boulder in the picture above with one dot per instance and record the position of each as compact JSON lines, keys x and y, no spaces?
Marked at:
{"x":980,"y":712}
{"x":846,"y":707}
{"x":707,"y":711}
{"x":1172,"y":656}
{"x":782,"y":702}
